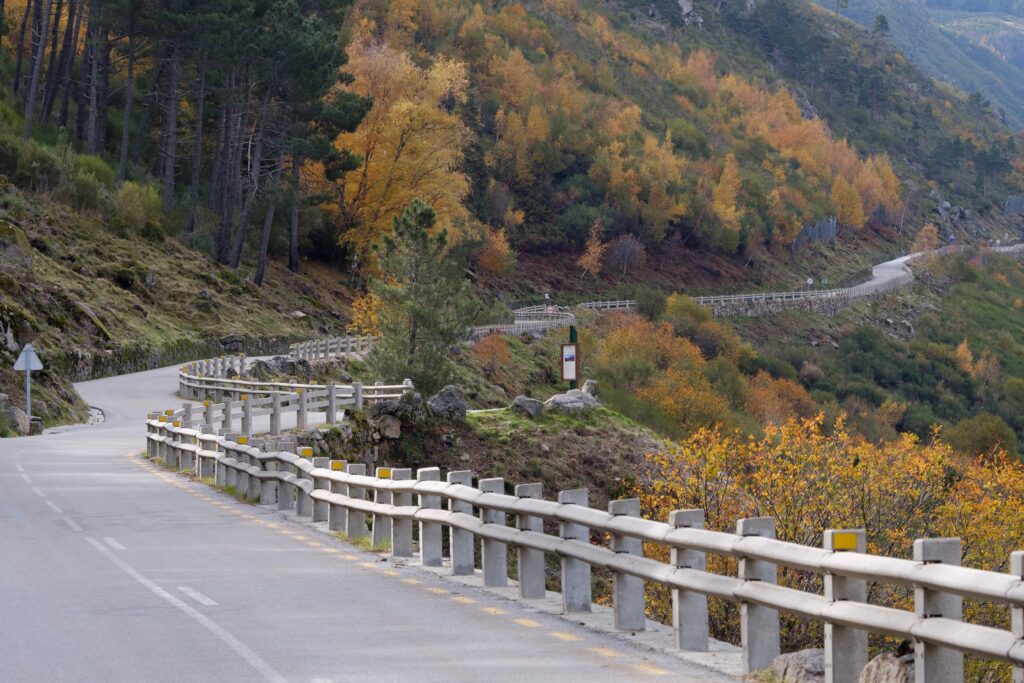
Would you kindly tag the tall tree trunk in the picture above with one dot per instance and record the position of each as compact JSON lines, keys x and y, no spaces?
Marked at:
{"x":84,"y":75}
{"x":129,"y":95}
{"x":36,"y":35}
{"x":197,"y":152}
{"x":37,"y":68}
{"x":103,"y":89}
{"x":255,"y":166}
{"x":69,"y":66}
{"x":171,"y":126}
{"x":268,"y":223}
{"x":55,"y":77}
{"x":219,"y":152}
{"x":95,"y":86}
{"x":293,"y":227}
{"x":21,"y":48}
{"x":51,"y":67}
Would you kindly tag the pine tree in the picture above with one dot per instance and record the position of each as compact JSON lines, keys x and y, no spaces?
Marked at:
{"x":425,"y":302}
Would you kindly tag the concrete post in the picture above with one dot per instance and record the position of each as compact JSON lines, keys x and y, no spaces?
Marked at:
{"x":401,"y":529}
{"x":689,"y":609}
{"x":186,"y":417}
{"x":300,"y":415}
{"x":275,"y":414}
{"x":627,"y":590}
{"x":241,"y":366}
{"x":576,"y":593}
{"x":337,"y":515}
{"x":356,"y":527}
{"x":303,"y":503}
{"x":321,"y":508}
{"x":934,"y":664}
{"x":430,"y":533}
{"x":255,"y":483}
{"x":531,"y":562}
{"x":759,"y":626}
{"x":348,"y":347}
{"x":332,"y":404}
{"x":285,"y":500}
{"x":382,"y":523}
{"x":493,"y":554}
{"x":242,"y":478}
{"x":357,"y":395}
{"x":407,"y":386}
{"x":208,"y":414}
{"x":247,"y":414}
{"x":220,"y":473}
{"x":1017,"y":613}
{"x":461,"y":540}
{"x":225,"y":413}
{"x":846,"y":649}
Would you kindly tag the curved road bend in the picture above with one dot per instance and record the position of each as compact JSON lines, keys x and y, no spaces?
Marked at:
{"x":112,"y":570}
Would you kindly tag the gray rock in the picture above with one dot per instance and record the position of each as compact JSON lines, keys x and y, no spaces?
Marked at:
{"x":35,"y":427}
{"x":449,"y":404}
{"x":497,"y":390}
{"x":40,"y":408}
{"x":589,"y":399}
{"x":525,"y":405}
{"x":389,"y":426}
{"x":19,"y":420}
{"x":410,"y":408}
{"x":803,"y":666}
{"x":889,"y":668}
{"x":572,"y":401}
{"x":298,"y":314}
{"x":590,"y":387}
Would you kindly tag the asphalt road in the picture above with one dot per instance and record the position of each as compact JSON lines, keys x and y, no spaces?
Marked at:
{"x":114,"y":570}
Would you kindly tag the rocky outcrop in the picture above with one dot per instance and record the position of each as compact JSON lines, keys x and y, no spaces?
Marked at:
{"x":449,"y":404}
{"x":572,"y":401}
{"x":410,"y":408}
{"x":524,"y":405}
{"x":803,"y":666}
{"x":279,"y":366}
{"x":889,"y":668}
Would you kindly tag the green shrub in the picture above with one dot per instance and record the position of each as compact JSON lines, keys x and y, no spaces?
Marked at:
{"x":38,"y":167}
{"x":137,"y":210}
{"x":86,"y":193}
{"x":9,"y":119}
{"x":982,"y":434}
{"x":100,"y":169}
{"x":650,"y":303}
{"x":10,"y":150}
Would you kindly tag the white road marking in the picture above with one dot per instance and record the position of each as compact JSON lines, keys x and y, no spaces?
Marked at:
{"x":113,"y":543}
{"x":39,"y":492}
{"x":20,"y":467}
{"x":72,"y":523}
{"x":28,"y":479}
{"x":254,"y":660}
{"x":53,"y":506}
{"x":197,"y":596}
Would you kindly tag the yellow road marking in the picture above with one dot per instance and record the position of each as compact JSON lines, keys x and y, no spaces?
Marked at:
{"x":651,"y":670}
{"x":463,"y":599}
{"x":496,"y":611}
{"x":411,"y":582}
{"x":439,"y":591}
{"x":603,"y":652}
{"x":562,"y":635}
{"x":390,"y":572}
{"x":528,"y":623}
{"x":367,"y":565}
{"x":314,"y":544}
{"x":349,"y":557}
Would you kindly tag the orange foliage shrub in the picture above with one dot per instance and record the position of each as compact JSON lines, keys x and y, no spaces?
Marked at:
{"x":493,"y":353}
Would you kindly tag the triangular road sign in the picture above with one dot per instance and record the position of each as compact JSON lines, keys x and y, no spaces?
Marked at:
{"x":28,"y":360}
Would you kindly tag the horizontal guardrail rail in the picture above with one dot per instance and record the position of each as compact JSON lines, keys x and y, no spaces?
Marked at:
{"x":385,"y":506}
{"x":332,"y":347}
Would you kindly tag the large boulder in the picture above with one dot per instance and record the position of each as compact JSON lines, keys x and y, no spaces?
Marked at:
{"x":449,"y":404}
{"x":803,"y":666}
{"x":279,"y":366}
{"x":388,"y":426}
{"x":524,"y":405}
{"x":15,"y":250}
{"x":572,"y":401}
{"x":590,"y":388}
{"x":410,"y":408}
{"x":19,"y":420}
{"x":889,"y":668}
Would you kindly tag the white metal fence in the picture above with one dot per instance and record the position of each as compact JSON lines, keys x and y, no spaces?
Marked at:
{"x":386,"y":505}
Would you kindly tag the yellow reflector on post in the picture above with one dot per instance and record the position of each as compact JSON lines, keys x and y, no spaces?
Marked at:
{"x":168,"y":412}
{"x":305,"y":451}
{"x":243,"y":441}
{"x":177,"y":423}
{"x":338,"y":465}
{"x":245,"y":397}
{"x":163,"y":418}
{"x":206,"y":404}
{"x":298,"y":391}
{"x":383,"y":472}
{"x":844,"y":540}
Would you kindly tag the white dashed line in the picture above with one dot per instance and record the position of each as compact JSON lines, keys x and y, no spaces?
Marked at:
{"x":197,"y":596}
{"x":20,"y":467}
{"x":113,"y":543}
{"x":72,"y":523}
{"x":28,"y":479}
{"x":39,"y":492}
{"x":53,"y":506}
{"x":255,"y":661}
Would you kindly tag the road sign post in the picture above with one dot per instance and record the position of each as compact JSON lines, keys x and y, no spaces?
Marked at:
{"x":570,"y":359}
{"x":28,"y":362}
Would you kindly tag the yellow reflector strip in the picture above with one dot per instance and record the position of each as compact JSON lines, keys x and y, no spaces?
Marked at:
{"x":243,"y":441}
{"x":163,"y":418}
{"x":384,"y":472}
{"x":177,"y":423}
{"x":306,"y":452}
{"x":168,"y":412}
{"x":245,"y":397}
{"x":338,"y":465}
{"x":846,"y":540}
{"x":206,"y":404}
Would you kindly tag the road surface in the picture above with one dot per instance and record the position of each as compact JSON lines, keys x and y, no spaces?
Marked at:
{"x":114,"y":570}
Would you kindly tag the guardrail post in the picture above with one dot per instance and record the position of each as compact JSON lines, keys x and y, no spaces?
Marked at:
{"x":689,"y":608}
{"x":348,"y":347}
{"x":208,"y":414}
{"x":759,"y":626}
{"x":186,"y":415}
{"x":300,"y":415}
{"x":530,"y":561}
{"x":407,"y":387}
{"x":357,"y":395}
{"x":846,"y":649}
{"x":241,"y":366}
{"x":493,"y":554}
{"x":1017,"y":613}
{"x":627,"y":590}
{"x":246,"y":414}
{"x":268,"y":486}
{"x":382,"y":523}
{"x":356,"y":526}
{"x":225,"y":412}
{"x":576,"y":592}
{"x":242,"y":479}
{"x":332,"y":404}
{"x":275,"y":414}
{"x":255,"y":489}
{"x":430,"y":533}
{"x":285,"y":499}
{"x":461,"y":540}
{"x":934,"y":664}
{"x":401,"y":529}
{"x":303,"y":503}
{"x":337,"y":515}
{"x":321,"y":508}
